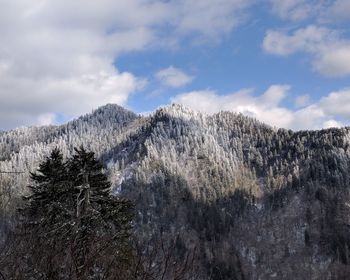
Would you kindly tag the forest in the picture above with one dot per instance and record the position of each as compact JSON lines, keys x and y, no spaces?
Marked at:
{"x":187,"y":196}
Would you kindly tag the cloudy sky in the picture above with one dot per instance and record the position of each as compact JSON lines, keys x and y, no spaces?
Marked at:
{"x":285,"y":62}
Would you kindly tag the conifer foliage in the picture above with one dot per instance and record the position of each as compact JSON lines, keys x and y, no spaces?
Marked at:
{"x":71,"y":227}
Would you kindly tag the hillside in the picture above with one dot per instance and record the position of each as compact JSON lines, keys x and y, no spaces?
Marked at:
{"x":254,"y":201}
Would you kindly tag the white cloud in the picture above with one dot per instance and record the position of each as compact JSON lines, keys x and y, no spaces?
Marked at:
{"x":332,"y":123}
{"x":46,"y":119}
{"x":209,"y":19}
{"x":274,"y":95}
{"x":294,"y":10}
{"x":310,"y":117}
{"x":318,"y":10}
{"x":267,"y":107}
{"x":334,"y":61}
{"x":302,"y":100}
{"x":58,"y":56}
{"x":310,"y":39}
{"x":337,"y":103}
{"x":330,"y":52}
{"x":340,"y":10}
{"x":173,"y":77}
{"x":329,"y":49}
{"x":33,"y":101}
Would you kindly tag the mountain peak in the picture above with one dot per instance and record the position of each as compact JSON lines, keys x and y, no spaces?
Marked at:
{"x":111,"y":108}
{"x":180,"y":111}
{"x":109,"y":113}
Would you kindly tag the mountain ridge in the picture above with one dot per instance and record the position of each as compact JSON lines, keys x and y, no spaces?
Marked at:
{"x":256,"y":201}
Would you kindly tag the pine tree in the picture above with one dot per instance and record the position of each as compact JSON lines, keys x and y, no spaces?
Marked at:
{"x":49,"y":206}
{"x":98,"y":215}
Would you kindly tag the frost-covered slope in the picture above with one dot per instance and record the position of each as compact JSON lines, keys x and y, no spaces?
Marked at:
{"x":256,"y":202}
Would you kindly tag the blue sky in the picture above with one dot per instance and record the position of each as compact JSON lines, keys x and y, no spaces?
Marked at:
{"x":284,"y":62}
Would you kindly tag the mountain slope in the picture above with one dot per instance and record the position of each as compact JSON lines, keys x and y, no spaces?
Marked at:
{"x":255,"y":202}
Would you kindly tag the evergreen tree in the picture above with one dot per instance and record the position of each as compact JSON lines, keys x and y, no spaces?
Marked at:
{"x":49,"y":206}
{"x":98,"y":215}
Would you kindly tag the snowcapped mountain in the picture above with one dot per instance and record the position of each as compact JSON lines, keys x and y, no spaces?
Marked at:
{"x":256,"y":202}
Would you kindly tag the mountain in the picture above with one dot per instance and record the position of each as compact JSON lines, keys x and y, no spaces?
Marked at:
{"x":252,"y":201}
